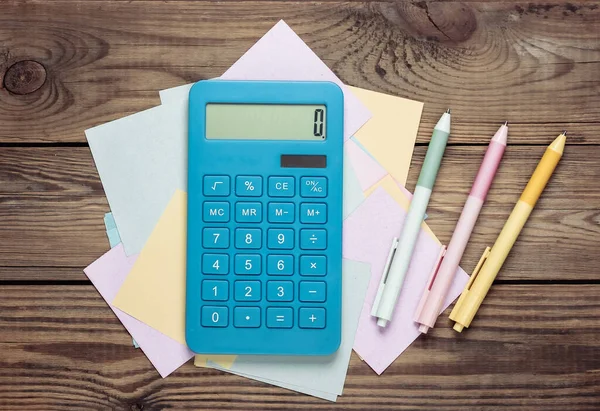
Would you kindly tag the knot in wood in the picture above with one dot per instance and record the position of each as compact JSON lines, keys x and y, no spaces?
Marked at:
{"x":24,"y":77}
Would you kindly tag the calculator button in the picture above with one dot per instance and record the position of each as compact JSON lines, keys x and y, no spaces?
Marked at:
{"x":280,"y":264}
{"x":246,"y":317}
{"x":215,"y":264}
{"x":281,"y":186}
{"x":215,"y":212}
{"x":280,"y":291}
{"x":247,"y":264}
{"x":215,"y":290}
{"x":248,"y":186}
{"x":313,"y":187}
{"x":215,"y":237}
{"x":248,"y":212}
{"x":247,"y":291}
{"x":216,"y":186}
{"x":280,"y":317}
{"x":280,"y":238}
{"x":311,"y":318}
{"x":313,"y":213}
{"x":313,"y":239}
{"x":248,"y":238}
{"x":214,"y":316}
{"x":313,"y":265}
{"x":312,"y":291}
{"x":281,"y":213}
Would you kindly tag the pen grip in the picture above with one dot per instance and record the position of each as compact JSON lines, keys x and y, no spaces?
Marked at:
{"x":433,"y":159}
{"x":487,"y":170}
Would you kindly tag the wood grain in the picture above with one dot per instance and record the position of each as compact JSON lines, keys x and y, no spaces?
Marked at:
{"x":486,"y":60}
{"x":530,"y":347}
{"x":52,"y":205}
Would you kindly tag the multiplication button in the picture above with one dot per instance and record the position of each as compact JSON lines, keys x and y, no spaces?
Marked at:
{"x":315,"y":265}
{"x":281,"y":186}
{"x":216,"y":186}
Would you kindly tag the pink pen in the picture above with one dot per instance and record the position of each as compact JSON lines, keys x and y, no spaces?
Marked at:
{"x":445,"y":267}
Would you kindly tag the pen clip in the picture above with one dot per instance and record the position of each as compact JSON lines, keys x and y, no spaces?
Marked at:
{"x":477,"y":268}
{"x":430,"y":281}
{"x":457,"y":307}
{"x":384,"y":275}
{"x":436,"y":267}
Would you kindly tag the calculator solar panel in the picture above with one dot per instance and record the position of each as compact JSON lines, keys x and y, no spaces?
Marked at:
{"x":264,"y":246}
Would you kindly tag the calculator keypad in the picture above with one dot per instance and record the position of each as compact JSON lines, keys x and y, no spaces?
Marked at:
{"x":272,"y":256}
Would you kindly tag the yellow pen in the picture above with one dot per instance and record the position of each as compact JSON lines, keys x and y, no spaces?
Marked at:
{"x":490,"y":263}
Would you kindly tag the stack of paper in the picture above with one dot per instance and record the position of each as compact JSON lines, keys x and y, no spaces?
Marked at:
{"x":142,"y":162}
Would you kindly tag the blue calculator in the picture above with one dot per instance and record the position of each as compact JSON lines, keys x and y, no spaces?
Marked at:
{"x":264,"y":238}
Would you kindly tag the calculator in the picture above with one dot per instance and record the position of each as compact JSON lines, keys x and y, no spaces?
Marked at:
{"x":264,"y":230}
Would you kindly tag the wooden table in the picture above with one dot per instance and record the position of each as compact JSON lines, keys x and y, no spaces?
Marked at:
{"x":68,"y":65}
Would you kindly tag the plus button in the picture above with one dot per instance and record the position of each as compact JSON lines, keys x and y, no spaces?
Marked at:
{"x":312,"y":318}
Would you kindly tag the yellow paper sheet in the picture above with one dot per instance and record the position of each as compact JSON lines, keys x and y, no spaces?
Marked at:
{"x":224,"y":361}
{"x":154,"y":291}
{"x":391,"y":133}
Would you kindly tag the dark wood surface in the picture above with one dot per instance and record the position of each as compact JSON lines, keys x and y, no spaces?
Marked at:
{"x":71,"y":64}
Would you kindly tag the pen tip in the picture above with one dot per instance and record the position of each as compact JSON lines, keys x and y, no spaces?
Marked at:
{"x":506,"y":123}
{"x":564,"y":133}
{"x":448,"y":111}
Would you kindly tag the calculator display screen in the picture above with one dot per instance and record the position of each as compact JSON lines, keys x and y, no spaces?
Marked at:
{"x":265,"y":122}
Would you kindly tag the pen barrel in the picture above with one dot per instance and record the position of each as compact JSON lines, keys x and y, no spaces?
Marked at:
{"x":486,"y":276}
{"x":433,"y":159}
{"x":540,"y":177}
{"x":456,"y":248}
{"x":406,"y":246}
{"x":487,"y":170}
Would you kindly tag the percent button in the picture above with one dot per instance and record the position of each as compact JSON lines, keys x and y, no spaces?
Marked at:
{"x":248,"y":186}
{"x":313,"y":187}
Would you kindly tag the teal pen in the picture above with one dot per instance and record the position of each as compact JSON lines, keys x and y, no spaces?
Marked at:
{"x":402,"y":248}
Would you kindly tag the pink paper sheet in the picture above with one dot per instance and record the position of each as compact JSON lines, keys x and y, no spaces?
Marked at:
{"x":281,"y":55}
{"x":368,"y":234}
{"x":107,"y":274}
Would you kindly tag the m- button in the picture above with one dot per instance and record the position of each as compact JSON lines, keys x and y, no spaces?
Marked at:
{"x":281,"y":186}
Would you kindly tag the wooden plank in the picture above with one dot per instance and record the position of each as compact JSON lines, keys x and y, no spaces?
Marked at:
{"x":489,"y":60}
{"x":530,"y":348}
{"x":52,"y":205}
